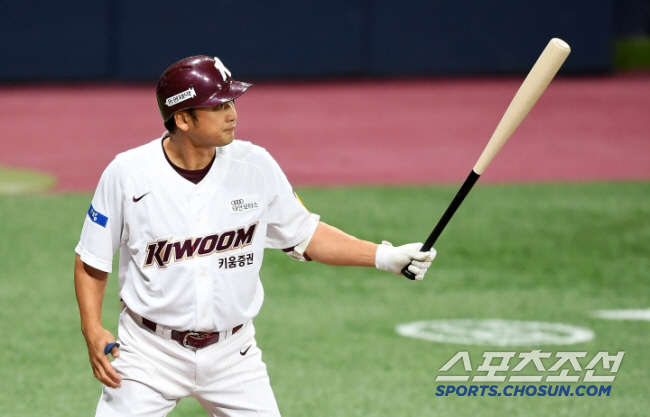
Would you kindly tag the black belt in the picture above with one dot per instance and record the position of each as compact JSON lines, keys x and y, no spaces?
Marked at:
{"x":190,"y":338}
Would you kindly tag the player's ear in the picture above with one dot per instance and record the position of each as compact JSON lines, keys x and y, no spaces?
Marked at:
{"x":182,"y":120}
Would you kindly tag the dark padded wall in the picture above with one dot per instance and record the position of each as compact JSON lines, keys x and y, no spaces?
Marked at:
{"x":64,"y":39}
{"x":137,"y":39}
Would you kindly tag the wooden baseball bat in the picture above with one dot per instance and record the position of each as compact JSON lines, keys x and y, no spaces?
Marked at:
{"x":539,"y":77}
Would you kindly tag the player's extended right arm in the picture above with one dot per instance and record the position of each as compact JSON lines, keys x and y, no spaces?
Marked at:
{"x":332,"y":246}
{"x":90,"y":286}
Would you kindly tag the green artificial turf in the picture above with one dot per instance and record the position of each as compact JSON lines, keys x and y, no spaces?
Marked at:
{"x":633,"y":53}
{"x":552,"y":253}
{"x":22,"y":181}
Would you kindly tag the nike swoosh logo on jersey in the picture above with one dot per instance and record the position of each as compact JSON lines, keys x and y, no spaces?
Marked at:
{"x":135,"y":200}
{"x":243,"y":352}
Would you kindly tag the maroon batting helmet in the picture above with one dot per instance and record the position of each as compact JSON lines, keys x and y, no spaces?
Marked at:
{"x":197,"y":81}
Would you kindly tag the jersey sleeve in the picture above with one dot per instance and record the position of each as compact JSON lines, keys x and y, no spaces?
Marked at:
{"x":102,"y":228}
{"x":289,"y":222}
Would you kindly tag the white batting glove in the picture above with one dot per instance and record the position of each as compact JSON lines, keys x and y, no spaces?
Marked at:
{"x":393,"y":259}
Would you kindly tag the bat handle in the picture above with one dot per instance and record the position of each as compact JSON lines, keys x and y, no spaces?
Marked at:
{"x":442,"y":223}
{"x":408,"y":274}
{"x":405,"y":271}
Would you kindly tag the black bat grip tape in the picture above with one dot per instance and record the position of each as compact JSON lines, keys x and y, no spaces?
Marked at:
{"x":453,"y":206}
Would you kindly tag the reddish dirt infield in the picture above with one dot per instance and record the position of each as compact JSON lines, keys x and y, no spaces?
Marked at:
{"x":387,"y":132}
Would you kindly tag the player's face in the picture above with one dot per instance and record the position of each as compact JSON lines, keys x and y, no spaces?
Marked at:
{"x":214,"y":126}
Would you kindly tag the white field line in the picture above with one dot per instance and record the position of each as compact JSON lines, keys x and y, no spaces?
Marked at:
{"x":631,"y":314}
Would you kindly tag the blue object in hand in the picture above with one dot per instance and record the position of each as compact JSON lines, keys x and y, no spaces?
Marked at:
{"x":110,"y":347}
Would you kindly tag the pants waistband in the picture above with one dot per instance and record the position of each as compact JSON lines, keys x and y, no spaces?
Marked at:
{"x":188,"y":338}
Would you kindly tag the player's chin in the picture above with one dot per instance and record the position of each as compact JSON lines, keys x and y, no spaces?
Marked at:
{"x":226,"y":138}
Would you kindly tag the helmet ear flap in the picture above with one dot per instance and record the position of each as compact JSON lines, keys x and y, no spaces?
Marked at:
{"x":197,"y":81}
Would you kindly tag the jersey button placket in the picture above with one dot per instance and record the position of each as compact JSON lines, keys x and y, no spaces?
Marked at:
{"x":202,"y":279}
{"x":203,"y":296}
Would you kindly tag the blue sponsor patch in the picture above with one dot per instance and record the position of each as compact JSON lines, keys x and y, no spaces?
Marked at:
{"x":97,"y":217}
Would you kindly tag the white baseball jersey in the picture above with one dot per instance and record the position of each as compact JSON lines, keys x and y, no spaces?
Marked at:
{"x":190,"y":254}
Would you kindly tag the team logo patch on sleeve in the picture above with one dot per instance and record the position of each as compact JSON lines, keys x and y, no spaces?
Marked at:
{"x":97,"y":217}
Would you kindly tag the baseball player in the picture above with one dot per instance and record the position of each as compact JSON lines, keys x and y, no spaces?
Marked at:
{"x":191,"y":213}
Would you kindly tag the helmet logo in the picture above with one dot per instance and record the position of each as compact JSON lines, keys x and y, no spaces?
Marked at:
{"x":221,"y":68}
{"x":185,"y":95}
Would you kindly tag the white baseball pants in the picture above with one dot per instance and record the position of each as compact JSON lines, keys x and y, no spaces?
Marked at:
{"x":228,"y":378}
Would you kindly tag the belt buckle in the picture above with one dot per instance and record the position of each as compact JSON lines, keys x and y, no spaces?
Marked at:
{"x":192,"y":334}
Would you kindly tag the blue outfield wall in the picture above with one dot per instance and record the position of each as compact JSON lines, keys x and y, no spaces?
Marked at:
{"x":64,"y":39}
{"x":137,"y":39}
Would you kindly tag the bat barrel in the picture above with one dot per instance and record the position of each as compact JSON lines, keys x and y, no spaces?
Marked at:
{"x":539,"y":77}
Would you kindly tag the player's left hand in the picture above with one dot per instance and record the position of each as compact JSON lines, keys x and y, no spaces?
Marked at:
{"x":393,"y":259}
